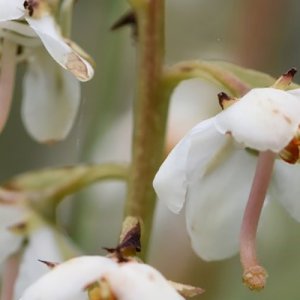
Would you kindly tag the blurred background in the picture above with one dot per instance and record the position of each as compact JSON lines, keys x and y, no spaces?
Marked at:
{"x":257,"y":34}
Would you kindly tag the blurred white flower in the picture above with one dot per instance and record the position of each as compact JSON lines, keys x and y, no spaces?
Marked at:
{"x":212,"y":167}
{"x":23,"y":232}
{"x":51,"y":94}
{"x":10,"y":242}
{"x":125,"y":281}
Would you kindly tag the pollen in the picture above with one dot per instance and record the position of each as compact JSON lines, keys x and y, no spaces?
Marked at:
{"x":36,"y":8}
{"x":291,"y":153}
{"x":255,"y":278}
{"x":30,"y":6}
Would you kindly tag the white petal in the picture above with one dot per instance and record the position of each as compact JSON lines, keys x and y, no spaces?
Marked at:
{"x":51,"y":99}
{"x":21,"y":28}
{"x":190,"y":105}
{"x":67,"y":57}
{"x":215,"y":205}
{"x":264,"y":119}
{"x":42,"y":246}
{"x":295,"y":92}
{"x":11,"y":10}
{"x":285,"y":187}
{"x":134,"y":281}
{"x":69,"y":279}
{"x":188,"y":156}
{"x":170,"y":182}
{"x":9,"y":242}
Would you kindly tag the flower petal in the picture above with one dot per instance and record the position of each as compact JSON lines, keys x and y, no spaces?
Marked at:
{"x":69,"y":279}
{"x":135,"y":281}
{"x":170,"y":182}
{"x":61,"y":52}
{"x":295,"y":92}
{"x":51,"y":99}
{"x":9,"y":242}
{"x":285,"y":187}
{"x":42,"y":246}
{"x":11,"y":10}
{"x":264,"y":119}
{"x":216,"y":202}
{"x":190,"y":155}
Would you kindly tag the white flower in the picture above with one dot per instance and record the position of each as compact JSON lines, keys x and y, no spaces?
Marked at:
{"x":212,"y":168}
{"x":42,"y":245}
{"x":10,"y":242}
{"x":126,"y":281}
{"x":43,"y":242}
{"x":51,"y":91}
{"x":38,"y":15}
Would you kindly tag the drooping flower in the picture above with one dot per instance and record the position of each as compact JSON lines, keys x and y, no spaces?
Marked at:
{"x":96,"y":275}
{"x":212,"y":168}
{"x":29,"y":31}
{"x":24,"y":233}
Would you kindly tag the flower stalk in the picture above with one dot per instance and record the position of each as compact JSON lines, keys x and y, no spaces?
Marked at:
{"x":45,"y":189}
{"x":150,"y":114}
{"x":254,"y":275}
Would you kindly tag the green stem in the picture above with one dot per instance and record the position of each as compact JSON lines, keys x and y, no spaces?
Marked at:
{"x":46,"y":189}
{"x":88,"y":176}
{"x":150,"y":114}
{"x":66,"y":14}
{"x":205,"y":70}
{"x":85,"y":177}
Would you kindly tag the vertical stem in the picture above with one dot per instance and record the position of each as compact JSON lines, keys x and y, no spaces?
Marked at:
{"x":255,"y":275}
{"x":7,"y":79}
{"x":150,"y":114}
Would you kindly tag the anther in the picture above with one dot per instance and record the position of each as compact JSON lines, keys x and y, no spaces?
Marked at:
{"x":285,"y":79}
{"x":291,"y":153}
{"x":225,"y":101}
{"x":290,"y":73}
{"x":255,"y":278}
{"x":30,"y":5}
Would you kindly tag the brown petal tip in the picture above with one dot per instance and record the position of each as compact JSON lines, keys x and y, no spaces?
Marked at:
{"x":49,"y":264}
{"x":285,"y":79}
{"x":131,"y":234}
{"x":128,"y":19}
{"x":187,"y":290}
{"x":225,"y":100}
{"x":290,"y":73}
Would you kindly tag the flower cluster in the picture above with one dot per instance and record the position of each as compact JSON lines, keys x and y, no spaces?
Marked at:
{"x":28,"y":236}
